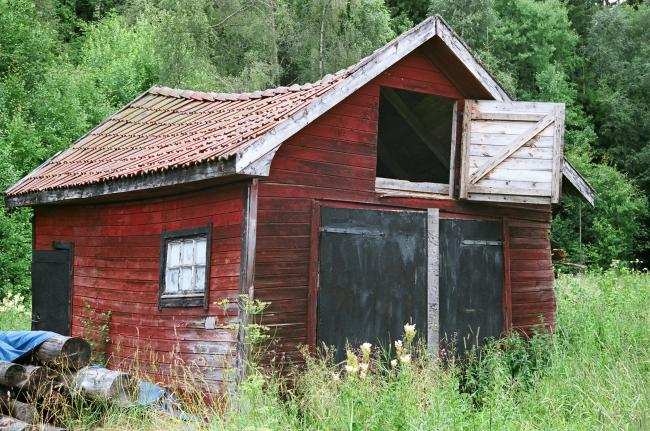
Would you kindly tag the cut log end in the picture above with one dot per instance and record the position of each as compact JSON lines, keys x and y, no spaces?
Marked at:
{"x":107,"y":385}
{"x":11,"y":374}
{"x":68,"y":352}
{"x":8,"y":423}
{"x":34,"y":377}
{"x":18,"y":409}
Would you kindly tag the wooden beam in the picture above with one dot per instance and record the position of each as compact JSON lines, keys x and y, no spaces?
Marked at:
{"x":508,"y":116}
{"x":509,"y":191}
{"x":416,"y":125}
{"x":507,"y":279}
{"x":389,"y":184}
{"x":469,"y":60}
{"x":578,"y":182}
{"x":517,"y":143}
{"x":453,"y":146}
{"x":465,"y":148}
{"x":247,"y":271}
{"x":312,"y":292}
{"x":205,"y":171}
{"x":433,"y":281}
{"x":558,"y":155}
{"x":482,"y":197}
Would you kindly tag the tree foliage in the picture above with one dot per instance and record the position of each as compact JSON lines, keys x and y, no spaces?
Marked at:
{"x":66,"y":65}
{"x":534,"y":48}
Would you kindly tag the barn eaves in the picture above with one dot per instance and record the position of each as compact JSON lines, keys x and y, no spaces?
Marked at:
{"x":169,"y":137}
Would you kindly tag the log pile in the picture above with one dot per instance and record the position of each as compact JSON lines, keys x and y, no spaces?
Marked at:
{"x":56,"y":370}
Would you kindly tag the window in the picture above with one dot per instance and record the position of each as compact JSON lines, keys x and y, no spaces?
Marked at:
{"x":185,"y":268}
{"x":415,"y":149}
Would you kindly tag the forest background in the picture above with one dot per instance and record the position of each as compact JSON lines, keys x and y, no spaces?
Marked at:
{"x":66,"y":65}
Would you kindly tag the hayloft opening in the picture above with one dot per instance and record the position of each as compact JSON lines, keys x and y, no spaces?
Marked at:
{"x":415,"y":139}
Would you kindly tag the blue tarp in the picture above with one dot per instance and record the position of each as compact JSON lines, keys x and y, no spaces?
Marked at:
{"x":14,"y":345}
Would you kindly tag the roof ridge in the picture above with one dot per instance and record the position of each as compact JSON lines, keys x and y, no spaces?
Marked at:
{"x":257,"y":94}
{"x":270,"y":92}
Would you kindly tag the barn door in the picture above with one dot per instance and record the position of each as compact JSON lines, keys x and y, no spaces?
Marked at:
{"x":372,"y":276}
{"x":471,"y":282}
{"x":512,"y":151}
{"x":51,"y":289}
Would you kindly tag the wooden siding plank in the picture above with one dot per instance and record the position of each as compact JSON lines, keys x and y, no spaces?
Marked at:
{"x":521,"y":140}
{"x":433,"y":281}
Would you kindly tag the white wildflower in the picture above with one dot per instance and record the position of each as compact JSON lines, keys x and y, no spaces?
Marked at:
{"x":351,"y":363}
{"x":398,"y":344}
{"x":393,"y":363}
{"x":405,"y":359}
{"x":409,"y":332}
{"x":350,"y":369}
{"x":364,"y":367}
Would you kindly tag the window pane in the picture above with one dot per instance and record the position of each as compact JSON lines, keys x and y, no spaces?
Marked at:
{"x":171,"y":281}
{"x":200,"y":251}
{"x":173,"y":253}
{"x":185,"y":282}
{"x":188,"y":252}
{"x":199,"y":280}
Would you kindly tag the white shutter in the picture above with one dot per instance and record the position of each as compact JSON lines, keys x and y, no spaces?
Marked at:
{"x":512,"y":151}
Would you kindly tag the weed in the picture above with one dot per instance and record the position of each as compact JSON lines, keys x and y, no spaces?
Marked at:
{"x":96,"y":327}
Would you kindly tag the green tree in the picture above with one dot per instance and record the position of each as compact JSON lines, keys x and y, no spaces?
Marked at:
{"x":533,"y":48}
{"x":323,"y":36}
{"x":618,"y":50}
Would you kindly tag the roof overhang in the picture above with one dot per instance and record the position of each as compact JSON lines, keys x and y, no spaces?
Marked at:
{"x":255,"y":159}
{"x":578,"y":182}
{"x":190,"y":175}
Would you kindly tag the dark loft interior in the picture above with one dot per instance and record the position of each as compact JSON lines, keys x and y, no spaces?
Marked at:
{"x":414,"y":136}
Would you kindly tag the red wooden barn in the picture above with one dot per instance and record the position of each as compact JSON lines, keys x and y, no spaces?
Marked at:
{"x":406,"y":188}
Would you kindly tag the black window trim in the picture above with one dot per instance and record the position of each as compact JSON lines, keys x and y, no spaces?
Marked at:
{"x":189,"y":300}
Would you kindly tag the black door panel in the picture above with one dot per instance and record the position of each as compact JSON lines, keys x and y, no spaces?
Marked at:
{"x":471,"y":281}
{"x":373,"y":276}
{"x":51,"y":290}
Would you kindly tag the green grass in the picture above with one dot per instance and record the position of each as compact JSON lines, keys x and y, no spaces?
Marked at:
{"x":14,"y":322}
{"x":594,"y":373}
{"x":14,"y":314}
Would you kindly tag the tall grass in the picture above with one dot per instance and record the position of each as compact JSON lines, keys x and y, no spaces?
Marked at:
{"x":592,"y":373}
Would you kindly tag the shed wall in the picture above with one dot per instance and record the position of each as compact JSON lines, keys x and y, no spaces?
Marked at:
{"x":117,"y":269}
{"x":333,"y":162}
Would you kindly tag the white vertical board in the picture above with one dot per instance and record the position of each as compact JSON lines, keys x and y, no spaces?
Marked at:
{"x":433,"y":280}
{"x":512,"y":151}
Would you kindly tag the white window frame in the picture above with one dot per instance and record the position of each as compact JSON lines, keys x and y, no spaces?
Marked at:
{"x":189,"y":298}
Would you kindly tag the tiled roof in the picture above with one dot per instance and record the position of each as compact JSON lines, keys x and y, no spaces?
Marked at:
{"x":167,"y":128}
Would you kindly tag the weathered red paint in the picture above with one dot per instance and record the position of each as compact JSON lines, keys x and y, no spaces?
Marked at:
{"x":117,"y":264}
{"x":333,"y":163}
{"x":330,"y":162}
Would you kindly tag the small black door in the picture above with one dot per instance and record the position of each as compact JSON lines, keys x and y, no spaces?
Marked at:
{"x":373,"y":276}
{"x":51,"y":289}
{"x":471,"y":282}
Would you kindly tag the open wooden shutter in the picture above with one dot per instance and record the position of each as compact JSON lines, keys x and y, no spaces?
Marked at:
{"x":512,"y":151}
